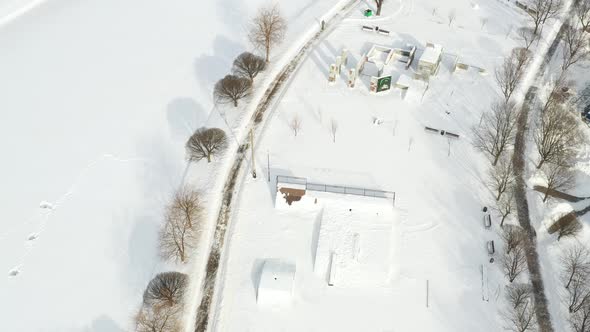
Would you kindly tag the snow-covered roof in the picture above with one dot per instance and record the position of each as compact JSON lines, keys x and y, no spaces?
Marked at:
{"x":431,"y":53}
{"x":276,"y":282}
{"x":372,"y":69}
{"x":404,"y":80}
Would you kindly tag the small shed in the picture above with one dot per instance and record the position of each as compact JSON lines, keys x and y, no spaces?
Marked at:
{"x":430,"y":60}
{"x":276,"y":283}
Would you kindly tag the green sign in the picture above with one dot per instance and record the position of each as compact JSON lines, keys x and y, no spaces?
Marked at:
{"x":383,"y":83}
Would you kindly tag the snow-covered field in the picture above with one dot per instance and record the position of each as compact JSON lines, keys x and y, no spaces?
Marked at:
{"x":98,"y":100}
{"x":437,"y":235}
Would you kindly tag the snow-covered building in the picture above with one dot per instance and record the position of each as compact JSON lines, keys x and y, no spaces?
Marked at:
{"x":353,"y":247}
{"x":276,"y":283}
{"x":430,"y":60}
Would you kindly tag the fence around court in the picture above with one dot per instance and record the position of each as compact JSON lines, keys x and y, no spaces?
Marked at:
{"x":337,"y":189}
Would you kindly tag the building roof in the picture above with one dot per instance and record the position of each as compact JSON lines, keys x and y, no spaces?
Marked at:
{"x":431,"y":53}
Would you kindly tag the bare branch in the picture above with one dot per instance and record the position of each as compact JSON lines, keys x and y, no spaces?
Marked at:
{"x":248,"y":65}
{"x":267,"y":29}
{"x":506,"y":205}
{"x":157,"y":320}
{"x":501,"y":177}
{"x":557,"y":177}
{"x":165,"y":289}
{"x":513,"y":262}
{"x":295,"y":124}
{"x":182,"y":227}
{"x":231,"y":89}
{"x":451,"y":16}
{"x":574,"y":260}
{"x":509,"y":75}
{"x":557,"y":134}
{"x":333,"y":129}
{"x":575,"y":47}
{"x":205,"y":143}
{"x":497,"y":130}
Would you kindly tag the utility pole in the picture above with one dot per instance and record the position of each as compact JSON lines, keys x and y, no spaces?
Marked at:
{"x":252,"y":149}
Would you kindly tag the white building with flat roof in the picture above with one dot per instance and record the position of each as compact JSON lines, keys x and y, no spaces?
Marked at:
{"x":430,"y":60}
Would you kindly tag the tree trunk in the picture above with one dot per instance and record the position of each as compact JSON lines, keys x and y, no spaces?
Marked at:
{"x":499,"y":195}
{"x":545,"y":198}
{"x":209,"y":157}
{"x":235,"y":103}
{"x":267,"y":46}
{"x":540,"y":163}
{"x":496,"y":158}
{"x":502,"y":221}
{"x":379,"y":9}
{"x":571,"y":279}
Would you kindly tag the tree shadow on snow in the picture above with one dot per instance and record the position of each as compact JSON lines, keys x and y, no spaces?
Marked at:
{"x":184,"y":116}
{"x":211,"y":68}
{"x":104,"y":324}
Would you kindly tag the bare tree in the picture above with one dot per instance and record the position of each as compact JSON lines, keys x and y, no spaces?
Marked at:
{"x":527,"y":36}
{"x":575,"y":47}
{"x":379,"y":4}
{"x":501,"y":177}
{"x":506,"y":205}
{"x":248,"y":65}
{"x":295,"y":124}
{"x":557,"y":177}
{"x":179,"y":233}
{"x":571,"y":229}
{"x":556,"y":134}
{"x":517,"y":294}
{"x":552,"y":9}
{"x":582,"y":12}
{"x":186,"y":204}
{"x":580,"y":320}
{"x":540,"y":11}
{"x":513,"y":262}
{"x":165,"y":289}
{"x":578,"y":292}
{"x":163,"y":319}
{"x":231,"y":89}
{"x":333,"y":129}
{"x":574,"y":260}
{"x":559,"y":90}
{"x":267,"y":29}
{"x":513,"y":237}
{"x":498,"y":130}
{"x":520,"y":314}
{"x":483,"y":21}
{"x":205,"y":143}
{"x":451,"y":16}
{"x":509,"y":75}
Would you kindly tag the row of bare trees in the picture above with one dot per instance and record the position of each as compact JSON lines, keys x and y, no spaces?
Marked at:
{"x":267,"y":30}
{"x":162,"y":303}
{"x":575,"y":276}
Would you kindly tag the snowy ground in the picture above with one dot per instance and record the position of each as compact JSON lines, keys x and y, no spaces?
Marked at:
{"x":438,"y":233}
{"x":99,"y":98}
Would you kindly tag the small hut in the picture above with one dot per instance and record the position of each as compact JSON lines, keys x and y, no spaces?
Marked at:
{"x":430,"y":60}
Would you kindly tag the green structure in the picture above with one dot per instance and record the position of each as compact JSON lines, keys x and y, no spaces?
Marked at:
{"x":383,"y":83}
{"x":368,"y":13}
